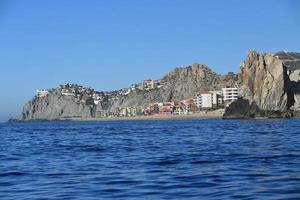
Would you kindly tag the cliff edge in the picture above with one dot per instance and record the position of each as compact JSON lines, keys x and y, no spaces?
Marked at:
{"x":57,"y":105}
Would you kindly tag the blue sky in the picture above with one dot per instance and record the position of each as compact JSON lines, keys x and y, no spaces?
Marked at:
{"x":110,"y":44}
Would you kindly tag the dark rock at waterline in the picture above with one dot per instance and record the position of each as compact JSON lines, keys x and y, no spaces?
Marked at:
{"x":241,"y":109}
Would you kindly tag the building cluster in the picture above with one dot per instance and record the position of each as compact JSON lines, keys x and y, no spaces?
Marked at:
{"x":203,"y":100}
{"x":83,"y":94}
{"x":145,"y":85}
{"x":75,"y":90}
{"x":167,"y":108}
{"x":148,"y":85}
{"x":216,"y":99}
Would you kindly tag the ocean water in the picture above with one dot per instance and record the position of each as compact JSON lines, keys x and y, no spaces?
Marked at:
{"x":176,"y":159}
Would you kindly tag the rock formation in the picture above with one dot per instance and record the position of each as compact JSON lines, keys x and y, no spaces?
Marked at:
{"x":55,"y":105}
{"x":69,"y":101}
{"x":268,"y":87}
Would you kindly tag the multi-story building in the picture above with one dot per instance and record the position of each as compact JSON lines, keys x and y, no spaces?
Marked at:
{"x":230,"y":94}
{"x":209,"y":99}
{"x":204,"y":100}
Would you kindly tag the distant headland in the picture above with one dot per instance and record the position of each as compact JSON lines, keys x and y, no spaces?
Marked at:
{"x":266,"y":86}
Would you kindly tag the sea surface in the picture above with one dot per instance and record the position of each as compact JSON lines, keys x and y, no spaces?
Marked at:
{"x":171,"y":159}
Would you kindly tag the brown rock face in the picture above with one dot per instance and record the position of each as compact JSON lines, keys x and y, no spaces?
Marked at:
{"x":270,"y":81}
{"x":263,"y":78}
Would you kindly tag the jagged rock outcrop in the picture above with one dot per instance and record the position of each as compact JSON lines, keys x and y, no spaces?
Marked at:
{"x":71,"y":100}
{"x":270,"y":83}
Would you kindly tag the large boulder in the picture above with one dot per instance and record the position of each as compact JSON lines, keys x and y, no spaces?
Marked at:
{"x":241,"y":109}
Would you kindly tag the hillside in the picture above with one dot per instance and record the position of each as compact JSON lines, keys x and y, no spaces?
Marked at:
{"x":72,"y":100}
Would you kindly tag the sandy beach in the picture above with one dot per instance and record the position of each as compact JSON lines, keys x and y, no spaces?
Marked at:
{"x":203,"y":115}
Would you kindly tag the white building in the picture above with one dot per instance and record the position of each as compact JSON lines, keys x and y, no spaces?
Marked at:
{"x":230,"y":94}
{"x":97,"y":99}
{"x":67,"y":92}
{"x":42,"y":93}
{"x":209,"y":99}
{"x":204,"y":100}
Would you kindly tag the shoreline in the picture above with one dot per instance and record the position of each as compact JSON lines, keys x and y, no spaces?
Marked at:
{"x":210,"y":115}
{"x":218,"y":114}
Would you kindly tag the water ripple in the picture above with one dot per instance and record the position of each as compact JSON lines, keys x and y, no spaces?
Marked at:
{"x":188,"y":159}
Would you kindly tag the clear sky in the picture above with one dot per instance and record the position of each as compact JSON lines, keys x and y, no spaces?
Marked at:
{"x":110,"y":44}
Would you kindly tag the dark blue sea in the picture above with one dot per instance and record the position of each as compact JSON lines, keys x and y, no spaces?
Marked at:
{"x":176,"y":159}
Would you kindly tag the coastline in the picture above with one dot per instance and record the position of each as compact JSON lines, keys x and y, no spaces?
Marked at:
{"x":209,"y":115}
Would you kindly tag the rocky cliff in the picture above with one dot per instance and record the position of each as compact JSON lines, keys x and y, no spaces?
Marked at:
{"x":268,"y":87}
{"x":55,"y":105}
{"x":69,"y":101}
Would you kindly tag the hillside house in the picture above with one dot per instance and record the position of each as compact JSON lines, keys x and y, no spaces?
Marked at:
{"x":42,"y":93}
